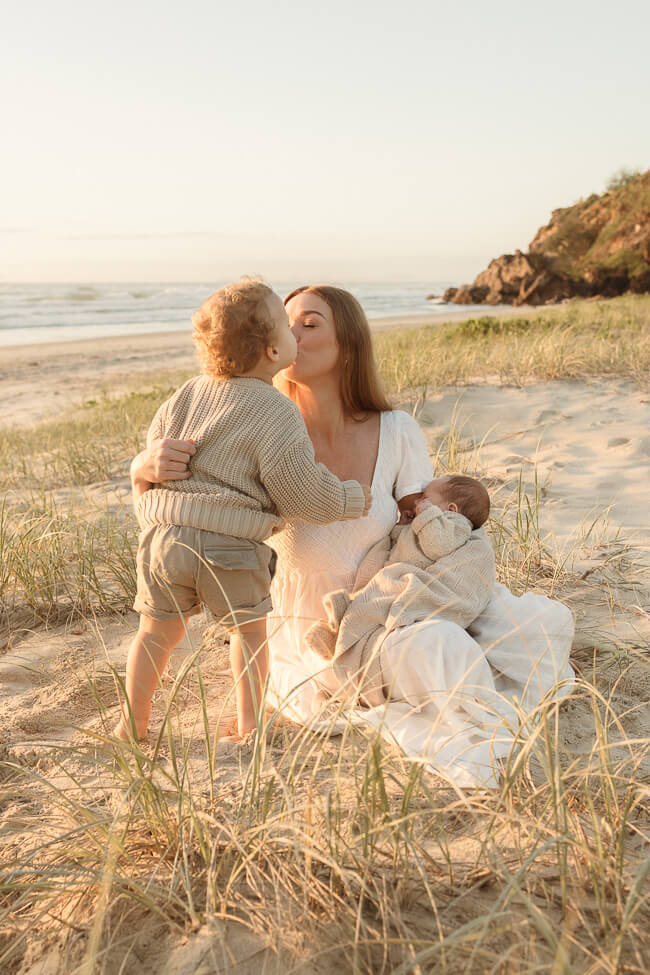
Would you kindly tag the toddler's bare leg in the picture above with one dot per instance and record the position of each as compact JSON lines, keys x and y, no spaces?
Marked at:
{"x":249,"y":642}
{"x":147,"y":659}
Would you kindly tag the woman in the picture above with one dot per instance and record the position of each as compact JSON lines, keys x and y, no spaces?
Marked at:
{"x":452,"y":694}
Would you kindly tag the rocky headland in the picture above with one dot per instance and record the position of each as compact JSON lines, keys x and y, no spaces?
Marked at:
{"x":600,"y":246}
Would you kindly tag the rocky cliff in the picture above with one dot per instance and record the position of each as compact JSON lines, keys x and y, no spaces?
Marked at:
{"x":598,"y":246}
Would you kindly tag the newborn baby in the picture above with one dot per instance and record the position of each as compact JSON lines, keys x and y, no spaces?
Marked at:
{"x":438,"y":562}
{"x":458,"y":493}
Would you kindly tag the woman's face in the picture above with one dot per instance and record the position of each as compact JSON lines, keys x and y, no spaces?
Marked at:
{"x":312,"y":324}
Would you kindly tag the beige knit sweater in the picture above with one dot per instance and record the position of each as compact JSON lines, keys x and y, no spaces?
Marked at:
{"x":436,"y":566}
{"x":254,"y":464}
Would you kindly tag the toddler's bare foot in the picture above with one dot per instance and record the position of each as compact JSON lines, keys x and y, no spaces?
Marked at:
{"x":228,"y":731}
{"x":124,"y":731}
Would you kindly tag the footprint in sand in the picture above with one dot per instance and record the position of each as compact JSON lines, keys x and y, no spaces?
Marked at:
{"x":618,"y":441}
{"x":516,"y":459}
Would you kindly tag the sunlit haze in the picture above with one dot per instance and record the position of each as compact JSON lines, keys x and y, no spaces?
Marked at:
{"x":347,"y":141}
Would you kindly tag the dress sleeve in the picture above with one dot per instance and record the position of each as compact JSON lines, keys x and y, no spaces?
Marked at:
{"x":413,"y":464}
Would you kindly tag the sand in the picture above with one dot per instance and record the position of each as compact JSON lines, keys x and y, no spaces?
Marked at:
{"x":67,"y":373}
{"x":43,"y":382}
{"x":588,"y":444}
{"x":590,"y":441}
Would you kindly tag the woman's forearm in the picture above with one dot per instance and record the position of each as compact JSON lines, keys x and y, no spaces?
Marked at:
{"x":139,"y":482}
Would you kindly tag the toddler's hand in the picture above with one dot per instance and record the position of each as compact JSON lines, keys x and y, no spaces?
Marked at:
{"x":422,"y":505}
{"x":367,"y":499}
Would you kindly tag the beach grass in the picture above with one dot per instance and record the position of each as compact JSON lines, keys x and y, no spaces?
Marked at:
{"x":579,"y":340}
{"x":316,"y":853}
{"x":329,"y":854}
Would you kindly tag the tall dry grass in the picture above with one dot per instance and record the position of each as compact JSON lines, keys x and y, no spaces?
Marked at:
{"x":334,"y":854}
{"x":576,"y":341}
{"x":303,"y":852}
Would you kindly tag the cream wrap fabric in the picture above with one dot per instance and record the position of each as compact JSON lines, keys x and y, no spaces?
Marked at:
{"x":437,"y":566}
{"x":514,"y":656}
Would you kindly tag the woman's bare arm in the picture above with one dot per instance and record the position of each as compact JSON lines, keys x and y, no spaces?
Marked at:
{"x":163,"y":460}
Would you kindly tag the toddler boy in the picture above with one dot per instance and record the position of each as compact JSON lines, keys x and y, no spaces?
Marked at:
{"x":202,"y":539}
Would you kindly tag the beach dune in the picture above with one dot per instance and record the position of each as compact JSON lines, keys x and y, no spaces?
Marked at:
{"x":566,"y":462}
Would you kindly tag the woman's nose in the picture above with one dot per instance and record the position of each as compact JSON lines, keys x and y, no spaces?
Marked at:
{"x":295,"y":331}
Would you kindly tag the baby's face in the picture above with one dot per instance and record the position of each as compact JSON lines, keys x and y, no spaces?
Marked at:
{"x":433,"y":493}
{"x":436,"y":493}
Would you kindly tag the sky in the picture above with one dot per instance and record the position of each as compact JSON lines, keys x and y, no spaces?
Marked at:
{"x":370,"y":140}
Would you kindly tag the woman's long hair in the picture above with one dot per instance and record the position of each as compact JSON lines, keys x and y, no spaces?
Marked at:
{"x":359,"y":384}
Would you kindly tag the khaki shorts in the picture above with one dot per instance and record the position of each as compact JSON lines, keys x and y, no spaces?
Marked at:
{"x":180,"y":568}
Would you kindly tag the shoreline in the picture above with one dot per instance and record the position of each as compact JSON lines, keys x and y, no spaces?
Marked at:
{"x":158,"y":340}
{"x":39,"y":382}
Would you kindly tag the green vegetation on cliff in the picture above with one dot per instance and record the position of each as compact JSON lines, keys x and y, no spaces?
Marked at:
{"x":610,"y":232}
{"x":598,"y":246}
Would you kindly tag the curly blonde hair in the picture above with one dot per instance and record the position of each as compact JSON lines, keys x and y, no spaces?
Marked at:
{"x":233,"y":327}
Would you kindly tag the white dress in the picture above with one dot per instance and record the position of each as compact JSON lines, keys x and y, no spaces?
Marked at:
{"x":449,"y":706}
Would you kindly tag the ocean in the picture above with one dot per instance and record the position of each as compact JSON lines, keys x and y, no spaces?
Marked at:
{"x":31,"y":314}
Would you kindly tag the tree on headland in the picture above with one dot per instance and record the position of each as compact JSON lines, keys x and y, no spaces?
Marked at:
{"x":622,"y":177}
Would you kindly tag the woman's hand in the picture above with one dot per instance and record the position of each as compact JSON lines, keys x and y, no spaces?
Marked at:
{"x":164,"y":460}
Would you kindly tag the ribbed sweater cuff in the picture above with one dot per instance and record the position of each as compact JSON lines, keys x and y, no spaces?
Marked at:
{"x":355,"y":500}
{"x":162,"y":507}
